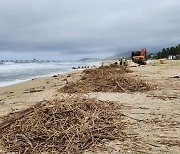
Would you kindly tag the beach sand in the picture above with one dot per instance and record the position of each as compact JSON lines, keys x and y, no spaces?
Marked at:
{"x":153,"y":117}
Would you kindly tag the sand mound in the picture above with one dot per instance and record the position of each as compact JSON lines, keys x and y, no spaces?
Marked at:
{"x":111,"y":78}
{"x":64,"y":126}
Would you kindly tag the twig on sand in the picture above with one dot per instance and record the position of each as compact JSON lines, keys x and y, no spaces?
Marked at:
{"x":120,"y":86}
{"x":25,"y":138}
{"x":105,"y":137}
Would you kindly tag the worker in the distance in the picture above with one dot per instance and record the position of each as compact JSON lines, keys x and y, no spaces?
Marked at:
{"x":120,"y":61}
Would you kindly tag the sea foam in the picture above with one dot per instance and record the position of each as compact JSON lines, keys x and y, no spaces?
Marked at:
{"x":12,"y":72}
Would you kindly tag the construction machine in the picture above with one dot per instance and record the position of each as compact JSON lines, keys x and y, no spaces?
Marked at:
{"x":140,"y":57}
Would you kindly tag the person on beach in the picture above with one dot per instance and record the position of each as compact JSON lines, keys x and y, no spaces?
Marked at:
{"x":120,"y":61}
{"x":123,"y":61}
{"x":126,"y":63}
{"x":102,"y":64}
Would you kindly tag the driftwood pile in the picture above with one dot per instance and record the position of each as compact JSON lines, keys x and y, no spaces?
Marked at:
{"x":111,"y":78}
{"x":69,"y":125}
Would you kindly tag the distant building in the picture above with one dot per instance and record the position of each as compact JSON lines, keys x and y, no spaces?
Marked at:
{"x":172,"y":57}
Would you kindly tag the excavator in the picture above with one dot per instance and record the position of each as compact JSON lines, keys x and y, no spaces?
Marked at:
{"x":140,"y":57}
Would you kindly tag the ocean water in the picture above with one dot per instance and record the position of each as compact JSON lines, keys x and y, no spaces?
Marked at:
{"x":13,"y":72}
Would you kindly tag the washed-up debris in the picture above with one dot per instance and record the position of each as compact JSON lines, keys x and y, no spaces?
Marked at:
{"x":32,"y":90}
{"x":69,"y":125}
{"x":176,"y":76}
{"x":111,"y":78}
{"x":1,"y":102}
{"x":170,"y":142}
{"x":162,"y":61}
{"x":163,"y":97}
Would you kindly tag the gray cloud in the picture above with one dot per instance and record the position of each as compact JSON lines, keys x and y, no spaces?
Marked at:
{"x":88,"y":27}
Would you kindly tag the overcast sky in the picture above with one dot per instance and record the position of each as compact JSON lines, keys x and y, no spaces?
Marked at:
{"x":73,"y":29}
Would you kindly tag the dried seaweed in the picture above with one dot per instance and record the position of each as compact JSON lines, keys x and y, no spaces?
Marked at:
{"x":170,"y":142}
{"x":111,"y":78}
{"x":69,"y":125}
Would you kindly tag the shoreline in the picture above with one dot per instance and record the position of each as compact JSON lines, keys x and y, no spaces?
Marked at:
{"x":58,"y":72}
{"x":35,"y":77}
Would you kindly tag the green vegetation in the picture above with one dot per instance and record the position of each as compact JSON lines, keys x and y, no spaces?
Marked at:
{"x":174,"y":51}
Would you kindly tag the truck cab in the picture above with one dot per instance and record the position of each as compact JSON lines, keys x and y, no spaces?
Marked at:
{"x":140,"y":57}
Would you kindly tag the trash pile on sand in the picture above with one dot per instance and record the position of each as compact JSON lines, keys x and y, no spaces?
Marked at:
{"x":69,"y":125}
{"x":111,"y":78}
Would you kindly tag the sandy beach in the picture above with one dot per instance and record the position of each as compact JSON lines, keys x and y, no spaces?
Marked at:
{"x":152,"y":117}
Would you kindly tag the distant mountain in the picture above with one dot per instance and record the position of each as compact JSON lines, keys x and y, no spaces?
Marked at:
{"x":89,"y":59}
{"x":114,"y":57}
{"x":119,"y":55}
